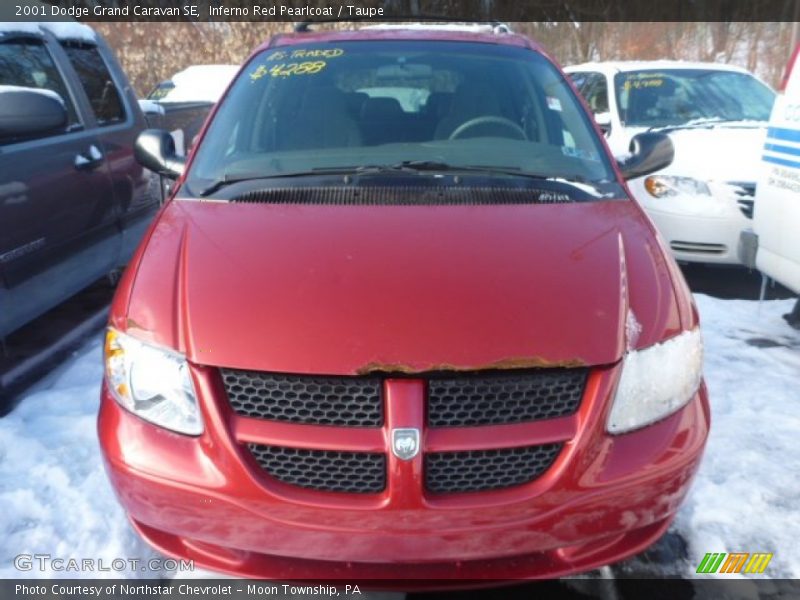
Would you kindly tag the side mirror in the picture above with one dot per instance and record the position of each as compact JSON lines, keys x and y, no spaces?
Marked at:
{"x":649,"y":152}
{"x":155,"y":150}
{"x":603,"y":121}
{"x":27,"y":112}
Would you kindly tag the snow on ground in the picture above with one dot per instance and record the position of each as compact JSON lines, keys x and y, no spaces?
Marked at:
{"x":747,"y":493}
{"x":55,"y":498}
{"x":54,"y":495}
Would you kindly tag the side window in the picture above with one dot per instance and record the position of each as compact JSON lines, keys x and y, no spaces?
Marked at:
{"x":579,"y":79}
{"x":100,"y":88}
{"x":27,"y":63}
{"x":595,"y":91}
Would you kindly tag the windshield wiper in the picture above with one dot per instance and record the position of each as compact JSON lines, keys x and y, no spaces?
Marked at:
{"x":702,"y":122}
{"x":406,"y":166}
{"x":426,"y":165}
{"x":418,"y":166}
{"x":229,"y":179}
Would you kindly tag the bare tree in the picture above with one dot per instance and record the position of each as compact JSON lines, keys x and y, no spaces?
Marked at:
{"x":152,"y":52}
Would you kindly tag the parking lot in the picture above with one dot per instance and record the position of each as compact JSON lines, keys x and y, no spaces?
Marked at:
{"x":401,"y":307}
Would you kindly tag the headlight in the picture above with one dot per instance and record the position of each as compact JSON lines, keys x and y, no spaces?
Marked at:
{"x":662,"y":186}
{"x":152,"y":383}
{"x":657,"y":381}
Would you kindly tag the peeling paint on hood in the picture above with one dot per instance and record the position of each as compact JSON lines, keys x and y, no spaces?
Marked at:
{"x":504,"y":364}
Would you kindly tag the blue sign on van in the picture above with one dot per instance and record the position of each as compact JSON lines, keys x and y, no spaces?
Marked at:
{"x":789,"y":155}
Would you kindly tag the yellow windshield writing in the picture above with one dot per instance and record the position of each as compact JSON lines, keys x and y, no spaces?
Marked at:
{"x":638,"y":84}
{"x":644,"y":80}
{"x":292,"y":62}
{"x":305,"y":53}
{"x":284,"y":70}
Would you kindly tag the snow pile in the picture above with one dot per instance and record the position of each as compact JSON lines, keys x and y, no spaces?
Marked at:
{"x":54,"y":493}
{"x":200,"y":83}
{"x":56,"y":500}
{"x":64,"y":30}
{"x":10,"y":27}
{"x":70,"y":31}
{"x":747,"y":493}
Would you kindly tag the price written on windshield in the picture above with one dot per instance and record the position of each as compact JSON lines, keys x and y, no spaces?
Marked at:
{"x":298,"y":66}
{"x":288,"y":69}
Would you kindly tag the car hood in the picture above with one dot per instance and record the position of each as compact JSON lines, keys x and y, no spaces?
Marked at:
{"x":730,"y":152}
{"x":355,"y":289}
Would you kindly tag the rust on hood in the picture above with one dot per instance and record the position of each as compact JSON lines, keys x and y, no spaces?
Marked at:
{"x":131,"y":324}
{"x":534,"y":362}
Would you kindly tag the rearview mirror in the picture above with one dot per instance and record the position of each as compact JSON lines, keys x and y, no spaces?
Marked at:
{"x":649,"y":152}
{"x":155,"y":150}
{"x":404,"y":70}
{"x":28,"y":112}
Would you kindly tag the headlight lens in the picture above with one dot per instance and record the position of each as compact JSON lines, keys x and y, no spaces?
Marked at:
{"x":663,"y":186}
{"x":657,"y":381}
{"x":152,"y":383}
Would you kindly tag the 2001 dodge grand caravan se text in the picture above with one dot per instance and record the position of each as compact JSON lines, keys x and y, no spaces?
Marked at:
{"x":402,"y":320}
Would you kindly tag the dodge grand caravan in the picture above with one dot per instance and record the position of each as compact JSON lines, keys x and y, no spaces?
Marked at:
{"x":402,"y":320}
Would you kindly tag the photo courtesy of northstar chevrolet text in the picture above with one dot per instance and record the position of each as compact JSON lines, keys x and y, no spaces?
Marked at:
{"x":383,"y":303}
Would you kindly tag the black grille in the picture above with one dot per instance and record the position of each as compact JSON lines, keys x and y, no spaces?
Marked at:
{"x":323,"y":470}
{"x":504,"y":398}
{"x":481,"y":470}
{"x":745,"y":195}
{"x":406,"y":195}
{"x":312,"y":400}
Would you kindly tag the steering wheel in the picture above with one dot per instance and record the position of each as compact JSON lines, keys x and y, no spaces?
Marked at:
{"x":488,"y":119}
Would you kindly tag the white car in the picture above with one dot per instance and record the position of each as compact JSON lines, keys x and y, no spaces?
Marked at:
{"x":777,"y":213}
{"x":716,"y":116}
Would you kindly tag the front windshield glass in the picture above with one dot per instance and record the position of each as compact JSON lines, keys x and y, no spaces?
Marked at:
{"x":322,"y":107}
{"x":670,"y":97}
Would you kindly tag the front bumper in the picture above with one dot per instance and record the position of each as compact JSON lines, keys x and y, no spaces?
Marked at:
{"x":604,"y":499}
{"x":703,"y":228}
{"x":713,"y":240}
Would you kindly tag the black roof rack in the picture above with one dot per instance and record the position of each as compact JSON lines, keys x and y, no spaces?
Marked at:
{"x":497,"y":26}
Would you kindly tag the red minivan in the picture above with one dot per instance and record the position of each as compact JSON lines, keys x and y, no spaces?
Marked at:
{"x":402,"y":320}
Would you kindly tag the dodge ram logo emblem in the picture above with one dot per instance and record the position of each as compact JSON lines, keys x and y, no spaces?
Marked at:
{"x":405,"y":443}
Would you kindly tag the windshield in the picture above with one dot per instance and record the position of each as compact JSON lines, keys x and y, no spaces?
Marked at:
{"x":322,"y":107}
{"x":161,"y":91}
{"x":669,"y":97}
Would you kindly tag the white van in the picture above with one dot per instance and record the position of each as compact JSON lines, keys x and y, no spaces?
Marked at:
{"x":716,"y":116}
{"x":776,"y":220}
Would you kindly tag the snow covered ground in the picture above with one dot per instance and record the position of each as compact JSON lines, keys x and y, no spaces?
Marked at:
{"x":746,"y":497}
{"x":55,"y":499}
{"x":54,"y":495}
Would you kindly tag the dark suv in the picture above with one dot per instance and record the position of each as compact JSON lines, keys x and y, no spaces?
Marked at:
{"x":73,"y":201}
